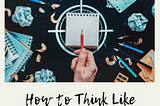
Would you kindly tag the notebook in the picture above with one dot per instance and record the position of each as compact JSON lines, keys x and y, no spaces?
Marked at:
{"x":89,"y":23}
{"x":26,"y":39}
{"x":121,"y":5}
{"x":12,"y":52}
{"x":24,"y":54}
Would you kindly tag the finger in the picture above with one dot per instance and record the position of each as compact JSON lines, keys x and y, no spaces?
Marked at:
{"x":77,"y":52}
{"x":90,"y":57}
{"x":82,"y":59}
{"x":95,"y":72}
{"x":74,"y":63}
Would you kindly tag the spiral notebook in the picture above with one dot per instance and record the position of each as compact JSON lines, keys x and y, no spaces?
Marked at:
{"x":23,"y":53}
{"x":26,"y":39}
{"x":121,"y":5}
{"x":89,"y":23}
{"x":12,"y":52}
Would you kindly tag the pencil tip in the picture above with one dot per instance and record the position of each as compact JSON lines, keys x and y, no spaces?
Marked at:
{"x":120,"y":44}
{"x":115,"y":49}
{"x":44,"y":3}
{"x":120,"y":38}
{"x":117,"y":57}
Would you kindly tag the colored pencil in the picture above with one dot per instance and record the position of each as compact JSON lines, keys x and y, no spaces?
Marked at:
{"x":131,"y":48}
{"x":37,"y":1}
{"x":82,"y":39}
{"x":126,"y":36}
{"x":125,"y":65}
{"x":133,"y":58}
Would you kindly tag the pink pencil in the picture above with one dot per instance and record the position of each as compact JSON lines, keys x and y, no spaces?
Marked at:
{"x":124,"y":36}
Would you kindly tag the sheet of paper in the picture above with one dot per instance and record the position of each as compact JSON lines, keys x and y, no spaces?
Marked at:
{"x":121,"y":5}
{"x":27,"y":40}
{"x":12,"y":52}
{"x":24,"y":55}
{"x":89,"y":23}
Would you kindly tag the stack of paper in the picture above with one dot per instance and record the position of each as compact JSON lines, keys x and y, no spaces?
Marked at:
{"x":18,"y":48}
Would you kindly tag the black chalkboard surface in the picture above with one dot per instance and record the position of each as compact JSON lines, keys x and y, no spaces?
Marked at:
{"x":59,"y":61}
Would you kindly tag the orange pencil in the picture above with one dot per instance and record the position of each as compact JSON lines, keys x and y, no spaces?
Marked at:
{"x":82,"y":42}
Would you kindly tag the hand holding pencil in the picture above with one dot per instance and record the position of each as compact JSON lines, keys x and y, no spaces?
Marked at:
{"x":84,"y":66}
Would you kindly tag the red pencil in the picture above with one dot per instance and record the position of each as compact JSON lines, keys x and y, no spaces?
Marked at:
{"x":82,"y":43}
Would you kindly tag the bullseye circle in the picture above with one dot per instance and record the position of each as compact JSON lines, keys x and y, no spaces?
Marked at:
{"x":61,"y":19}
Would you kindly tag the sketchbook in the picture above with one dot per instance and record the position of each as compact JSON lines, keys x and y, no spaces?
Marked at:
{"x":89,"y":23}
{"x":23,"y":53}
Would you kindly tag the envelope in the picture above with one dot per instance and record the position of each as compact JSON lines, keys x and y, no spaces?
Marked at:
{"x":148,"y":75}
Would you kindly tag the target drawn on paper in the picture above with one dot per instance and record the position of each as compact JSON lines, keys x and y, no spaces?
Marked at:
{"x":60,"y":27}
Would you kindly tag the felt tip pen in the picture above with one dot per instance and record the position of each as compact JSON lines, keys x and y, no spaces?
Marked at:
{"x":82,"y":40}
{"x":133,"y":58}
{"x":131,"y":48}
{"x":125,"y":65}
{"x":37,"y":1}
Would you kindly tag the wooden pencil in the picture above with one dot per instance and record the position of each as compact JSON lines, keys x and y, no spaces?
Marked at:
{"x":131,"y":48}
{"x":125,"y":65}
{"x":82,"y":40}
{"x":117,"y":50}
{"x":126,"y":36}
{"x":37,"y":1}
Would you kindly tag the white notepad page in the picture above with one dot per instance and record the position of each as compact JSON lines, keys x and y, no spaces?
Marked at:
{"x":89,"y":23}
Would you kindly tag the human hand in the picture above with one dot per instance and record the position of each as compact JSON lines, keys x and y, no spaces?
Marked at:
{"x":84,"y":66}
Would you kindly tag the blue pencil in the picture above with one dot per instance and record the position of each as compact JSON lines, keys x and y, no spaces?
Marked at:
{"x":133,"y":58}
{"x":131,"y":48}
{"x":37,"y":1}
{"x":125,"y":65}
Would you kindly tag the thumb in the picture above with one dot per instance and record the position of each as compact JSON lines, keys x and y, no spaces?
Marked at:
{"x":82,"y":59}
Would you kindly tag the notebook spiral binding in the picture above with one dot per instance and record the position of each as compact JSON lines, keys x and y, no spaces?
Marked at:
{"x":10,"y":45}
{"x":83,"y":14}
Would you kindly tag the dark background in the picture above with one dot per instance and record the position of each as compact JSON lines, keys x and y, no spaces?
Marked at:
{"x":57,"y":60}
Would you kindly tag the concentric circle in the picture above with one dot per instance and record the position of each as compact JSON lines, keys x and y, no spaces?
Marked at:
{"x":76,"y":8}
